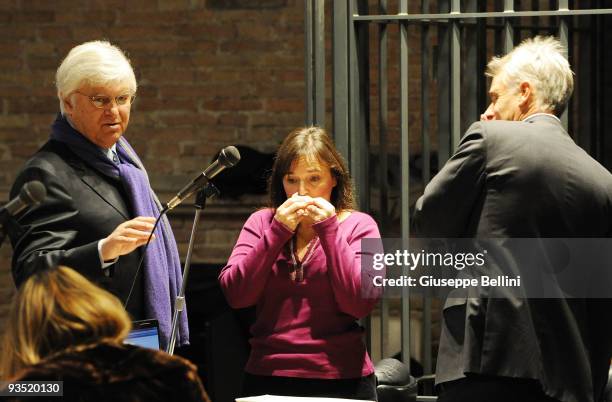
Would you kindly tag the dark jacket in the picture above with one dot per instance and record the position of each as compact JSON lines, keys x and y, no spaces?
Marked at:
{"x":523,"y":180}
{"x":81,"y":207}
{"x":109,"y":372}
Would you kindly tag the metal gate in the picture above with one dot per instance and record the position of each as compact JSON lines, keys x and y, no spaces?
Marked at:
{"x":407,"y":109}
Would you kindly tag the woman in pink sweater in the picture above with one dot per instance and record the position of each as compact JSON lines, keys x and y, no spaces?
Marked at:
{"x":299,"y":262}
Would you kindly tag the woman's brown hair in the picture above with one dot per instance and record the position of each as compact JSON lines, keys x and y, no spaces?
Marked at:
{"x":55,"y":309}
{"x":314,"y":144}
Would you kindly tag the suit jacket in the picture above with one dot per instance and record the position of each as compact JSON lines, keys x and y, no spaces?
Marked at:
{"x":81,"y":207}
{"x":522,"y":179}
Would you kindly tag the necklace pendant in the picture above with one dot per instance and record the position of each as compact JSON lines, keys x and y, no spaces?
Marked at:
{"x":296,"y":271}
{"x":299,"y":274}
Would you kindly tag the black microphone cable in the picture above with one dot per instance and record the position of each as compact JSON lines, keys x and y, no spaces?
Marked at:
{"x":228,"y":157}
{"x":144,"y":251}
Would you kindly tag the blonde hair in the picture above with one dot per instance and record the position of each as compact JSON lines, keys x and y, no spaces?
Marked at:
{"x":542,"y":62}
{"x":94,"y":63}
{"x":56,"y":309}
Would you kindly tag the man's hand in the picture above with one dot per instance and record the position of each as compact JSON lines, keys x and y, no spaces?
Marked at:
{"x":127,"y":237}
{"x":292,"y":211}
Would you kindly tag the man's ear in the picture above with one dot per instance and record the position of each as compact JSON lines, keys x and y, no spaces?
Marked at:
{"x":526,"y":94}
{"x":67,"y":101}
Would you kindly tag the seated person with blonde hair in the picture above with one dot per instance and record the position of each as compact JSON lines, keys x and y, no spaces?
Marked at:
{"x":62,"y":327}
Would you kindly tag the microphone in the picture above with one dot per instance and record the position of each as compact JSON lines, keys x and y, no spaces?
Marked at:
{"x":228,"y":157}
{"x":32,"y":193}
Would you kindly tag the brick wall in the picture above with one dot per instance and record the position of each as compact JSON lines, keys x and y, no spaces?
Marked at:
{"x":210,"y":73}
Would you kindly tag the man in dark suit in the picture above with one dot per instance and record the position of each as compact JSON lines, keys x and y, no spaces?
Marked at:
{"x":99,"y":207}
{"x":518,"y":173}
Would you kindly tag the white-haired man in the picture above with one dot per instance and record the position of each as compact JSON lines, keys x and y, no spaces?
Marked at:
{"x":99,"y":207}
{"x":518,"y":174}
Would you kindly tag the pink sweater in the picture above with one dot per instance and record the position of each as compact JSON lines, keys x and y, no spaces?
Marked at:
{"x":303,"y":329}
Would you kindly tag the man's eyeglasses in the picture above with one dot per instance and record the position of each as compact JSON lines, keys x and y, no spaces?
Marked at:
{"x":102,"y":101}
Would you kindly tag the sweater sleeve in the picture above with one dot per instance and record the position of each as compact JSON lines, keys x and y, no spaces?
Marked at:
{"x":244,"y":277}
{"x":344,"y":255}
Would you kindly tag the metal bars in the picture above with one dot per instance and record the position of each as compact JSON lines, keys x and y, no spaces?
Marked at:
{"x":564,"y":39}
{"x":360,"y":103}
{"x":341,"y":76}
{"x":405,"y":174}
{"x":383,"y":117}
{"x":425,"y":154}
{"x":508,"y":30}
{"x":351,"y":94}
{"x":444,"y":88}
{"x":314,"y":62}
{"x":442,"y":17}
{"x":455,"y":95}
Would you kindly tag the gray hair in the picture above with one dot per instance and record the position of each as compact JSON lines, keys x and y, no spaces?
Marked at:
{"x":542,"y":62}
{"x":93,"y":63}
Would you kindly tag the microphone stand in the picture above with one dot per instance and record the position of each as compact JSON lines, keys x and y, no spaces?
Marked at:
{"x":200,"y":203}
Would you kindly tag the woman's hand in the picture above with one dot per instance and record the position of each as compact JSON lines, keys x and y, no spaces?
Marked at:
{"x":292,"y":211}
{"x":320,"y":209}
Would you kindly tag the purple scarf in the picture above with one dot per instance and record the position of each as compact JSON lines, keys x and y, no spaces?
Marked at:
{"x":162,"y":268}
